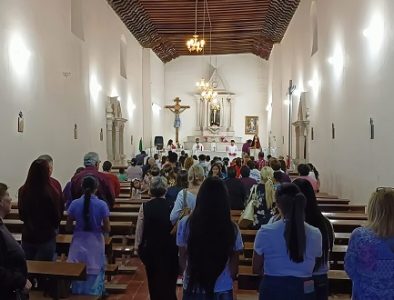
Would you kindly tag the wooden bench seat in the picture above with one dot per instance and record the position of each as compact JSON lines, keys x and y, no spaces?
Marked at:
{"x":114,"y":216}
{"x":347,"y":225}
{"x":342,"y":238}
{"x":339,"y":281}
{"x":15,"y":226}
{"x":111,"y":269}
{"x":341,"y":208}
{"x":332,"y":201}
{"x":116,"y":288}
{"x":38,"y":295}
{"x":345,"y":216}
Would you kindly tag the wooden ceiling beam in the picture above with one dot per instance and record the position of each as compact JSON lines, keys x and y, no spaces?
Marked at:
{"x":247,"y":26}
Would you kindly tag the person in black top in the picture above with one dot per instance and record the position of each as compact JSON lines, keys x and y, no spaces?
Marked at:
{"x":157,"y":246}
{"x":13,"y":270}
{"x":236,"y":190}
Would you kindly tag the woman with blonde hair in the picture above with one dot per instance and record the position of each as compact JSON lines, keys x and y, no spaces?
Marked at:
{"x":187,"y":197}
{"x":369,"y":260}
{"x":265,"y":196}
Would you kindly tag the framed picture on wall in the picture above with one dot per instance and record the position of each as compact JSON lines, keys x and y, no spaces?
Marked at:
{"x":251,"y":125}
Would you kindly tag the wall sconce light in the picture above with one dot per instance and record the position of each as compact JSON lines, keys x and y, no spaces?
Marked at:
{"x":19,"y":55}
{"x":337,"y":60}
{"x":375,"y":33}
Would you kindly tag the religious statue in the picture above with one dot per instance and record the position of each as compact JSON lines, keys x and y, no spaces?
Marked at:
{"x":177,"y":109}
{"x":215,"y":115}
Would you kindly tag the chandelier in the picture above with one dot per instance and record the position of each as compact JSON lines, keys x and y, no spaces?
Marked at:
{"x":209,"y":94}
{"x":195,"y":44}
{"x":202,"y":85}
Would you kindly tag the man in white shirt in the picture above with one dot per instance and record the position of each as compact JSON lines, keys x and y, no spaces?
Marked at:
{"x":232,"y":149}
{"x":197,"y":146}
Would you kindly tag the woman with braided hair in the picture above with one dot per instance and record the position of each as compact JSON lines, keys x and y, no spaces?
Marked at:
{"x":91,"y":216}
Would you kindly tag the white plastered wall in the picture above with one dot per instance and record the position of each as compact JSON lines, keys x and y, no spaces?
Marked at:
{"x":246,"y":75}
{"x":352,"y":164}
{"x":65,"y":81}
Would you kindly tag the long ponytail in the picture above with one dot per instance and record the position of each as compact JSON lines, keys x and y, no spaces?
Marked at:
{"x":89,"y":186}
{"x":292,"y":203}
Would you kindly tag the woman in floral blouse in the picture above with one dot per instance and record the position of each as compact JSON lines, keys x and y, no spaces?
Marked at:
{"x":369,"y":260}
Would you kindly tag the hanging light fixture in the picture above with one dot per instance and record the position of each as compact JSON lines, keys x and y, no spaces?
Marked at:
{"x":195,"y":44}
{"x":206,"y":88}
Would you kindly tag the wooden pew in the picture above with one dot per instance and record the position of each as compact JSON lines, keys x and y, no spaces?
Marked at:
{"x":123,"y":228}
{"x":341,"y":208}
{"x":339,"y":282}
{"x":345,"y":216}
{"x":57,"y":271}
{"x":347,"y":225}
{"x":63,"y":242}
{"x":342,"y":238}
{"x":325,"y":195}
{"x":114,"y":216}
{"x":332,"y":201}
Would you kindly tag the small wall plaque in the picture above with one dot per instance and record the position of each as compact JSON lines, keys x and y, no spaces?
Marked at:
{"x":372,"y":128}
{"x":75,"y":131}
{"x":21,"y":122}
{"x":332,"y":131}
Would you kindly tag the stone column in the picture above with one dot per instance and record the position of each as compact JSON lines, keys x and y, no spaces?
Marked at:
{"x":230,"y":115}
{"x":116,"y":142}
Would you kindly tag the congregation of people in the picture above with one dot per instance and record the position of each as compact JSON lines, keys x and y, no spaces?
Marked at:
{"x":187,"y":228}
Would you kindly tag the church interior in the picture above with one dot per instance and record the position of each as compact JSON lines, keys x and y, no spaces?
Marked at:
{"x":305,"y":81}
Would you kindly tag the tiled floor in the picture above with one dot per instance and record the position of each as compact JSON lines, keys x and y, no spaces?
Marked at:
{"x":138,"y":287}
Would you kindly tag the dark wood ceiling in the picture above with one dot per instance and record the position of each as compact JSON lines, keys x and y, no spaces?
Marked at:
{"x":238,"y":26}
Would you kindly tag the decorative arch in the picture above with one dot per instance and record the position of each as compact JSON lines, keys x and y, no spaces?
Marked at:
{"x":115,"y":132}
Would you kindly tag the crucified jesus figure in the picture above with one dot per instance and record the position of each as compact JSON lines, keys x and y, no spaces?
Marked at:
{"x":177,"y":109}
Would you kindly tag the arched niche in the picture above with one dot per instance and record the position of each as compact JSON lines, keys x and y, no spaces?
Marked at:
{"x":115,"y":132}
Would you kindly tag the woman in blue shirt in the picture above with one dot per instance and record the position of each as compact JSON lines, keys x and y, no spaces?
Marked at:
{"x":314,"y":217}
{"x":209,"y":245}
{"x":286,"y":251}
{"x":91,"y":216}
{"x":369,"y":260}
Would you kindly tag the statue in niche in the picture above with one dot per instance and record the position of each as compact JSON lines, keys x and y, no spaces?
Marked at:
{"x":215,"y":115}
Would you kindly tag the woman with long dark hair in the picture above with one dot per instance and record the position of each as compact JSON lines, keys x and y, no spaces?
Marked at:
{"x":41,"y":209}
{"x":209,"y":244}
{"x":287,"y":249}
{"x":216,"y":170}
{"x":314,"y":217}
{"x":91,"y":216}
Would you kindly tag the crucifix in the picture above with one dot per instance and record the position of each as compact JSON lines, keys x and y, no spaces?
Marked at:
{"x":177,"y":109}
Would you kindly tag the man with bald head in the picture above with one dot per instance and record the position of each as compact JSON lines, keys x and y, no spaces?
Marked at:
{"x":105,"y":191}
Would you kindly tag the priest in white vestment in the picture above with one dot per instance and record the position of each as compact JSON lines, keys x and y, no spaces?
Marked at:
{"x":232,"y":149}
{"x":197,"y":147}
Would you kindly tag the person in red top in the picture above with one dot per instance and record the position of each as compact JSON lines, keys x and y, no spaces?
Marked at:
{"x":105,"y":192}
{"x":107,"y":166}
{"x":41,"y":208}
